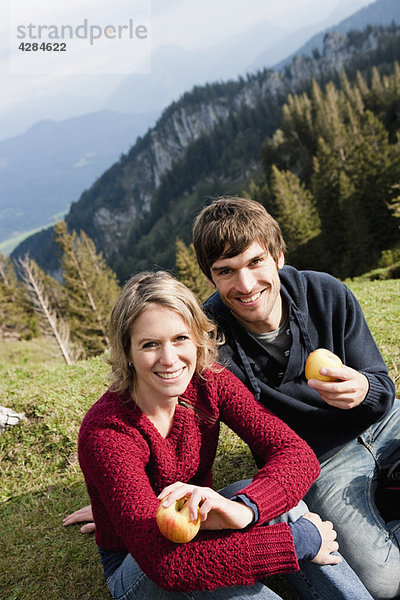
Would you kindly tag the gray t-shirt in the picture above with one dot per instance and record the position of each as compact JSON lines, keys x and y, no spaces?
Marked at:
{"x":277,"y":342}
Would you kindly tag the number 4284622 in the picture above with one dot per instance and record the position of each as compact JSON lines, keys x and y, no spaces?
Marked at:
{"x":44,"y":47}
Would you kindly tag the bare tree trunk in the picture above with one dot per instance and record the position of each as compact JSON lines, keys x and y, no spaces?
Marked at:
{"x":3,"y":275}
{"x":6,"y":282}
{"x":58,"y":327}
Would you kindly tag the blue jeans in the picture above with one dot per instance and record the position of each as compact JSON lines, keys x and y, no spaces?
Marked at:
{"x":130,"y":583}
{"x":344,"y":493}
{"x":312,"y":582}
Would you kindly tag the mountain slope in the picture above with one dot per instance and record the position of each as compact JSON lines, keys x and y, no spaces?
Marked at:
{"x":44,"y":170}
{"x":205,"y":144}
{"x":380,"y":12}
{"x":52,"y":163}
{"x":175,"y":71}
{"x":285,"y":48}
{"x":49,"y":166}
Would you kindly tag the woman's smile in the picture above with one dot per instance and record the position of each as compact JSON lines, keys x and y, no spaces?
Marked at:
{"x":170,"y":375}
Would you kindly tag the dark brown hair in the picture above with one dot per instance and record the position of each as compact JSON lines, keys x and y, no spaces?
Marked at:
{"x":228,"y":226}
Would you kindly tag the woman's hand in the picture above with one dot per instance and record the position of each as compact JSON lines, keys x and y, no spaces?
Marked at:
{"x":83,"y":514}
{"x":328,"y":544}
{"x":216,"y":511}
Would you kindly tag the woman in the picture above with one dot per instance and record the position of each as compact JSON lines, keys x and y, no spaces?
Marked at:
{"x":153,"y":437}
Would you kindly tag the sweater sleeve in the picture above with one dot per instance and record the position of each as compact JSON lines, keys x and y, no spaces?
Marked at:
{"x":114,"y":465}
{"x":290,"y":465}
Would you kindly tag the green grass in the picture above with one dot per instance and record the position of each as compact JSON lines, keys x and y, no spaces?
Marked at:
{"x":380,"y":301}
{"x":40,"y":480}
{"x":23,"y":352}
{"x":8,"y":245}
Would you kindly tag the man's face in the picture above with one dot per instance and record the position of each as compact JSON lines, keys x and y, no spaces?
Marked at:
{"x":249,"y":285}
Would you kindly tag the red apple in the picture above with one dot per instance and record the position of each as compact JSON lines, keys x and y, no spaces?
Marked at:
{"x":318,"y":359}
{"x":174,"y":522}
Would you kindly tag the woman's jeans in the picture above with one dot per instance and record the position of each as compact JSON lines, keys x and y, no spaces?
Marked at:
{"x":344,"y":493}
{"x":312,"y":582}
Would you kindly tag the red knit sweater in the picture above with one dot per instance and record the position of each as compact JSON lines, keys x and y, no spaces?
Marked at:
{"x":126,"y":464}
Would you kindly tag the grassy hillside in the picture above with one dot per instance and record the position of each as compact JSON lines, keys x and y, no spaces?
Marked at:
{"x":380,"y":301}
{"x":40,"y":480}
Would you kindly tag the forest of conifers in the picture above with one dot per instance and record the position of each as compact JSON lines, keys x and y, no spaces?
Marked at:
{"x":329,"y":169}
{"x":330,"y":174}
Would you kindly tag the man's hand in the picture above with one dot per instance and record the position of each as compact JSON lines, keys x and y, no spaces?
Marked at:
{"x":215,"y":511}
{"x":328,"y":544}
{"x":83,"y":514}
{"x":349,"y":391}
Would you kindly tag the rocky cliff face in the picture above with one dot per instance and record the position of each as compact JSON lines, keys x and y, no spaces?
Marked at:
{"x":336,"y":54}
{"x":124,"y":193}
{"x":167,"y":142}
{"x":141,"y":171}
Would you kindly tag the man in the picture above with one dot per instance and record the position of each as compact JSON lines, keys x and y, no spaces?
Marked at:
{"x":272,"y":316}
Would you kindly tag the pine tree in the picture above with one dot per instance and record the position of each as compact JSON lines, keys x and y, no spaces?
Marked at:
{"x":16,"y":314}
{"x":91,"y":289}
{"x":189,"y":271}
{"x":337,"y":144}
{"x":395,"y":202}
{"x":376,"y":82}
{"x":295,"y":209}
{"x":362,"y":86}
{"x":355,"y":168}
{"x":52,"y":322}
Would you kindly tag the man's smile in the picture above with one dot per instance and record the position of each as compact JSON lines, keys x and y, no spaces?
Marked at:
{"x":250,"y":299}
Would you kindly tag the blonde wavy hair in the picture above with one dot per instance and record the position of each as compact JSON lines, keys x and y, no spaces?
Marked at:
{"x":138,"y":293}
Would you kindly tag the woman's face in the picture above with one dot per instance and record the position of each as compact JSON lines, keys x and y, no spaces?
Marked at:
{"x":163,"y":354}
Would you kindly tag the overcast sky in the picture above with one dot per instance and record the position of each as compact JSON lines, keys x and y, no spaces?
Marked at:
{"x":184,"y":23}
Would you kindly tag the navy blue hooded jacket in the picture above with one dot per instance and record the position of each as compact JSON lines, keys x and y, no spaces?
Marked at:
{"x":323,"y":313}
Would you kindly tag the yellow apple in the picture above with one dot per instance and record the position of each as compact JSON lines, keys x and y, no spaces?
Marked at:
{"x":318,"y":359}
{"x":174,"y":522}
